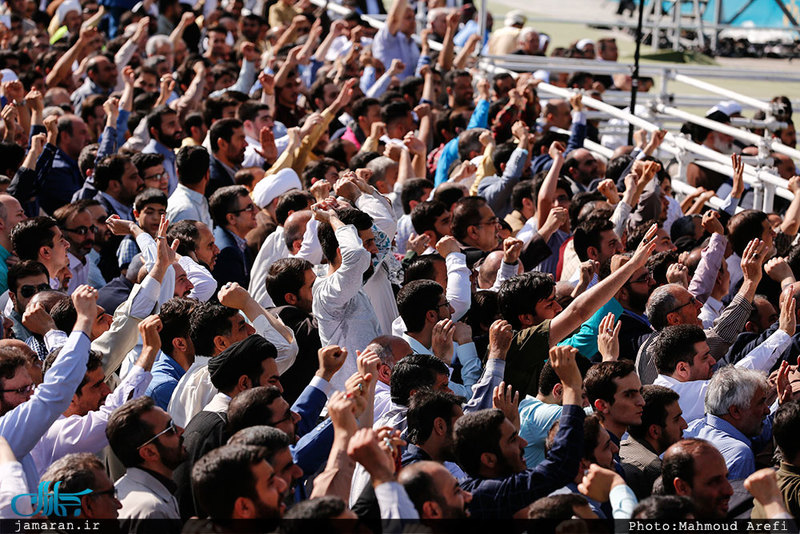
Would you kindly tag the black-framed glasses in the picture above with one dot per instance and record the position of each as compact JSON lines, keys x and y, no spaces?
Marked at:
{"x":110,"y":492}
{"x":158,"y":176}
{"x":82,"y":230}
{"x":691,"y":300}
{"x":444,"y":304}
{"x":251,"y":208}
{"x":646,"y":278}
{"x":20,"y":391}
{"x":288,"y":417}
{"x":171,"y":428}
{"x":27,"y":290}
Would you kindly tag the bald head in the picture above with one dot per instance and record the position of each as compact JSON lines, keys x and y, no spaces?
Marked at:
{"x":48,"y":299}
{"x":489,"y":268}
{"x":294,"y":228}
{"x":434,"y":491}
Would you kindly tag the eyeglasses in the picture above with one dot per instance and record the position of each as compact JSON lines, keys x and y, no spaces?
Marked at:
{"x":158,"y":176}
{"x":171,"y":428}
{"x":490,"y":222}
{"x":251,"y":208}
{"x":646,"y":278}
{"x":82,"y":230}
{"x":110,"y":492}
{"x":286,"y":418}
{"x":692,"y":301}
{"x":27,"y":291}
{"x":19,"y":391}
{"x":444,"y":304}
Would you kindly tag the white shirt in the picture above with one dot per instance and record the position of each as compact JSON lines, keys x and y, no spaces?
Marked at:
{"x":710,"y":311}
{"x":272,"y":250}
{"x":344,"y":313}
{"x":195,"y":390}
{"x":143,"y":496}
{"x":87,"y":433}
{"x":251,"y":156}
{"x":79,"y":270}
{"x":187,"y":205}
{"x":467,"y":354}
{"x":693,"y":393}
{"x":383,"y":400}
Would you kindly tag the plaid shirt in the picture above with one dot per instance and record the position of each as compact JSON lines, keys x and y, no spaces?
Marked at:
{"x":501,"y":498}
{"x":126,"y":251}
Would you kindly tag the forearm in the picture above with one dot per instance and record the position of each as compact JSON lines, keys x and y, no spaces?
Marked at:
{"x":791,"y":221}
{"x":63,"y":66}
{"x":446,"y":55}
{"x":544,"y":202}
{"x":706,"y":272}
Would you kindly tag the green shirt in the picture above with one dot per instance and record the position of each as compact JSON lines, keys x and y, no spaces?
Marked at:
{"x":4,"y":254}
{"x":529,"y":350}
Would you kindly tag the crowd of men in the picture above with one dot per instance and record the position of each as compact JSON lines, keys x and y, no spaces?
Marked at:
{"x":262,"y":262}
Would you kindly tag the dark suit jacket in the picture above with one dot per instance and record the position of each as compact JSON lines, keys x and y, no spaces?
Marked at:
{"x":114,"y":293}
{"x":232,"y":265}
{"x":306,"y":331}
{"x":632,"y":334}
{"x":60,"y":183}
{"x":218,"y":177}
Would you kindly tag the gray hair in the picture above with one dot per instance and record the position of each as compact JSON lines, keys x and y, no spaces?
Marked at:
{"x":733,"y":386}
{"x":660,"y":304}
{"x":382,"y":346}
{"x":379,"y":167}
{"x":74,"y":471}
{"x":155,"y":42}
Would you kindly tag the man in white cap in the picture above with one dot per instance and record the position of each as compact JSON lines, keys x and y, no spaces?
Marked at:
{"x":504,"y":40}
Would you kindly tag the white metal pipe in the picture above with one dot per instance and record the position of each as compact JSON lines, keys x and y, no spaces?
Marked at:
{"x":711,"y":88}
{"x":713,"y":125}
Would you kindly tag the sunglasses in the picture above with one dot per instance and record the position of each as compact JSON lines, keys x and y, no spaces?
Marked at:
{"x":82,"y":230}
{"x":27,"y":291}
{"x":170,"y":429}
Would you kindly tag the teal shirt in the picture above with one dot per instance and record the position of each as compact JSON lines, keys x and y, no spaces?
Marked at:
{"x":585,"y":339}
{"x":4,"y":254}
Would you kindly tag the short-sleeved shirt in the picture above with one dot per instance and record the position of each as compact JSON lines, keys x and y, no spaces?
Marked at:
{"x":529,"y":350}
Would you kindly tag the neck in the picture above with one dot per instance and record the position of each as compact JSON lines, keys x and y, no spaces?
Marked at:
{"x":653,"y":444}
{"x":547,"y":399}
{"x":617,"y":429}
{"x":433,"y":449}
{"x":224,"y":160}
{"x":183,"y":359}
{"x":52,"y":269}
{"x":235,"y":231}
{"x":72,"y":411}
{"x":199,"y":187}
{"x":424,"y":336}
{"x":159,"y":468}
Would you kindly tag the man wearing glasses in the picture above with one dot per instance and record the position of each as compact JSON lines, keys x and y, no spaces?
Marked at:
{"x":150,"y":446}
{"x":77,"y":225}
{"x":234,"y":215}
{"x":25,"y":279}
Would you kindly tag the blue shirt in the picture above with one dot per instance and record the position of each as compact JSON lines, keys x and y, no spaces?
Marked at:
{"x":734,"y":446}
{"x":166,"y":374}
{"x":479,"y":119}
{"x":387,"y":47}
{"x":4,"y":254}
{"x":536,"y":419}
{"x":585,"y":339}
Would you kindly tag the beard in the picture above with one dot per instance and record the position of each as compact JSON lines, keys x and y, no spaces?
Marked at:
{"x":637,"y":301}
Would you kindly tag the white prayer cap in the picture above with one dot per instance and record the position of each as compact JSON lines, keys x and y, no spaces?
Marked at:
{"x":66,"y":7}
{"x":515,"y":16}
{"x":271,"y":187}
{"x":542,"y":75}
{"x":728,"y":107}
{"x":583,"y":43}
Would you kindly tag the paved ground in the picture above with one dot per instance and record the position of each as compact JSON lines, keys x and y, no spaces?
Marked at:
{"x":604,"y":11}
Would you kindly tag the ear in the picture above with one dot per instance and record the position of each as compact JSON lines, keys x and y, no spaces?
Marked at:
{"x":135,"y":214}
{"x":558,"y":391}
{"x":220,"y":343}
{"x":525,"y":319}
{"x":431,"y":510}
{"x":45,"y":252}
{"x":440,"y":426}
{"x":297,"y":244}
{"x":244,"y":383}
{"x":243,"y":509}
{"x":384,"y":373}
{"x":593,"y":253}
{"x":152,"y":131}
{"x":601,"y":406}
{"x":654,"y":432}
{"x":749,"y":326}
{"x":230,"y":218}
{"x":290,"y":298}
{"x":673,"y":319}
{"x":148,"y":453}
{"x":413,"y":203}
{"x":489,"y":460}
{"x":179,"y":344}
{"x":431,"y":316}
{"x":682,"y":488}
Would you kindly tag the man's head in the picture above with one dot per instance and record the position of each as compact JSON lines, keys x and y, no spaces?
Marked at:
{"x":366,"y":111}
{"x":784,"y":430}
{"x":694,"y":468}
{"x":237,"y":482}
{"x":435,"y":492}
{"x":191,"y":165}
{"x":78,"y":227}
{"x":615,"y":393}
{"x":255,"y":116}
{"x":595,"y":240}
{"x":528,"y":299}
{"x":488,"y":445}
{"x":277,"y":444}
{"x":232,"y":208}
{"x":40,"y":239}
{"x":458,"y":84}
{"x":607,"y":49}
{"x":175,"y":315}
{"x":431,"y":418}
{"x":431,"y":218}
{"x":662,"y":419}
{"x":263,"y":405}
{"x":16,"y":384}
{"x":73,"y":135}
{"x":244,"y":365}
{"x":227,"y":141}
{"x":682,"y":352}
{"x":384,"y":174}
{"x":739,"y":396}
{"x":557,"y":114}
{"x":289,"y":283}
{"x":116,"y":176}
{"x":598,"y":447}
{"x":528,"y":41}
{"x":79,"y":472}
{"x":143,"y":435}
{"x":362,"y":223}
{"x":148,"y":208}
{"x":635,"y":292}
{"x":26,"y":279}
{"x":102,"y":71}
{"x":65,"y":316}
{"x":581,"y":166}
{"x":672,"y":305}
{"x":416,"y":372}
{"x":195,"y":240}
{"x":475,"y":224}
{"x":164,"y":127}
{"x":763,"y":315}
{"x":398,"y":119}
{"x":91,"y":393}
{"x":748,"y":225}
{"x":11,"y":213}
{"x":550,"y":388}
{"x":422,"y":304}
{"x":151,"y":169}
{"x":390,"y":350}
{"x":213,"y":328}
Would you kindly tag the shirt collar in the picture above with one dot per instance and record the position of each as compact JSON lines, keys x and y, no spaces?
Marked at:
{"x":416,"y":346}
{"x":193,"y":195}
{"x":723,"y":426}
{"x":638,"y":317}
{"x":118,"y":206}
{"x":162,"y":149}
{"x":229,"y":170}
